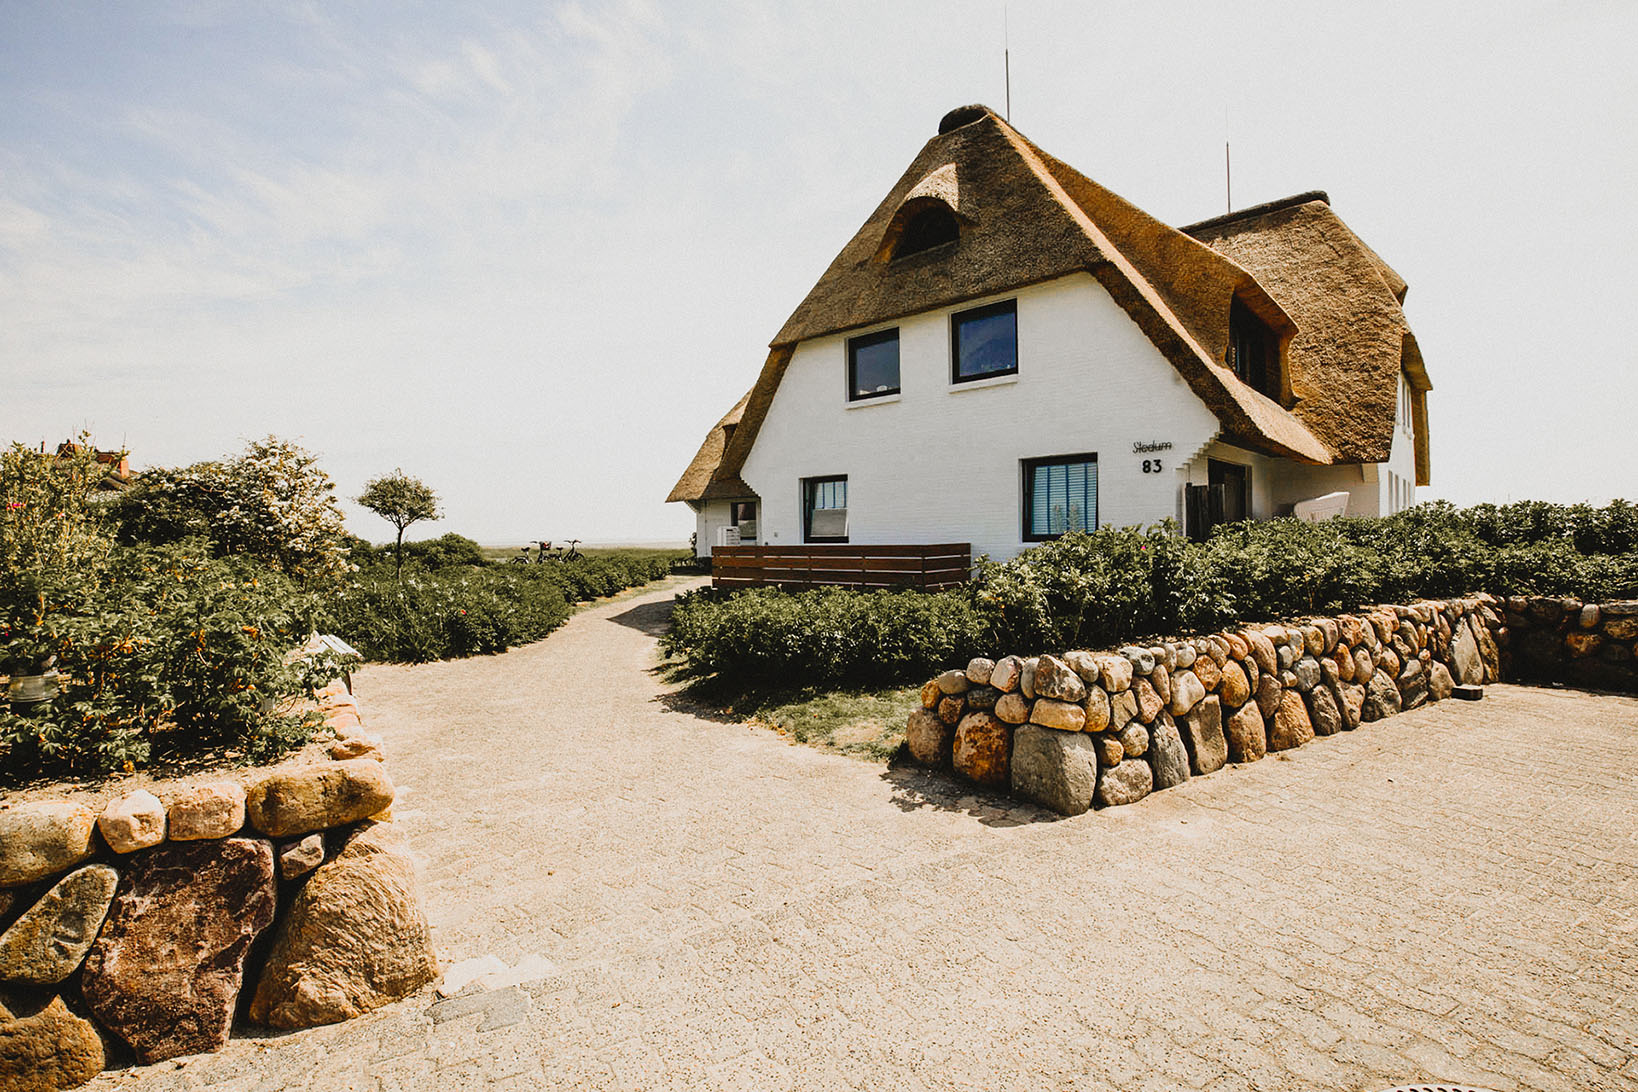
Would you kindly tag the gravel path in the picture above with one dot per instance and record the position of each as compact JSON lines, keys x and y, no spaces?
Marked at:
{"x":1451,"y":895}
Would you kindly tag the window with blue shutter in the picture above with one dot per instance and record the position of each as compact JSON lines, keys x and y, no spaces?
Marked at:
{"x":1060,"y":495}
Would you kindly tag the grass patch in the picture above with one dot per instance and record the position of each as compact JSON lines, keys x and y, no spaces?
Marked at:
{"x":863,"y":723}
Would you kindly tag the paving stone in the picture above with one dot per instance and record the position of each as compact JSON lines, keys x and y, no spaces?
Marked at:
{"x":722,"y":906}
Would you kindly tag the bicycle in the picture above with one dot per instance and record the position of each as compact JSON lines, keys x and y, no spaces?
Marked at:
{"x":573,"y":553}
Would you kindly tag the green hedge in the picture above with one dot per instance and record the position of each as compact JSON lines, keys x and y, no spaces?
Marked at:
{"x":460,"y":609}
{"x":1119,"y":584}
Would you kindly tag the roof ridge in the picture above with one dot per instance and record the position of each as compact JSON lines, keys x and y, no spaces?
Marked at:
{"x":1253,"y":211}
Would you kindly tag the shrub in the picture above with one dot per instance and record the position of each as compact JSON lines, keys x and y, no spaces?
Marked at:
{"x":166,"y":653}
{"x":272,"y":503}
{"x":824,"y":636}
{"x":1121,"y":584}
{"x":435,"y":615}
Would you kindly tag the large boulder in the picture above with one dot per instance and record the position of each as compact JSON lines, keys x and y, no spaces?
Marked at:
{"x":354,"y":938}
{"x":1053,"y":768}
{"x":1235,"y":688}
{"x":1323,"y":712}
{"x":41,"y":839}
{"x":45,"y":1047}
{"x":1098,"y":708}
{"x":1351,"y":703}
{"x":1440,"y":684}
{"x":132,"y":822}
{"x":1413,"y":685}
{"x":207,"y":809}
{"x":1052,"y":713}
{"x":1489,"y":654}
{"x":47,"y":943}
{"x":982,"y":744}
{"x":1148,"y":700}
{"x":1123,"y":709}
{"x":1269,"y":693}
{"x":1167,"y":754}
{"x":1125,"y":784}
{"x":330,"y":794}
{"x":1004,"y":675}
{"x":165,"y":973}
{"x":1466,"y":664}
{"x":1114,"y":672}
{"x":1290,"y":726}
{"x":928,"y":737}
{"x":1202,"y":731}
{"x":1058,"y":681}
{"x":1012,"y":708}
{"x":1381,"y":697}
{"x":1245,"y":734}
{"x":1187,"y":690}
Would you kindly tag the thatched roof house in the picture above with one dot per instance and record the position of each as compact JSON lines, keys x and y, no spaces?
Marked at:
{"x":1291,"y":367}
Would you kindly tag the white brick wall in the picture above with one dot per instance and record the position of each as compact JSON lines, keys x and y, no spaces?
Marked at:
{"x":941,"y":462}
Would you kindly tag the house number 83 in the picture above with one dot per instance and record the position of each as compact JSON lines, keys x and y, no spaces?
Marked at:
{"x":1151,"y":466}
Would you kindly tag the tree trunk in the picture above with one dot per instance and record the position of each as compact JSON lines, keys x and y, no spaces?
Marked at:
{"x":398,"y":557}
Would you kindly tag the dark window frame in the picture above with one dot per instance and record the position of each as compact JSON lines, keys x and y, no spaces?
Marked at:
{"x":809,"y":488}
{"x":927,"y":229}
{"x":986,"y":311}
{"x":1029,"y":466}
{"x":866,"y":341}
{"x":1254,"y":351}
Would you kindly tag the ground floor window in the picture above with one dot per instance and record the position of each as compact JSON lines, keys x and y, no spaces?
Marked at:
{"x":743,"y":515}
{"x":824,"y":509}
{"x":1060,"y":495}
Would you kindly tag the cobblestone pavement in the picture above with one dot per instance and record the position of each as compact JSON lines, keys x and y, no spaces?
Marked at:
{"x":1451,"y":895}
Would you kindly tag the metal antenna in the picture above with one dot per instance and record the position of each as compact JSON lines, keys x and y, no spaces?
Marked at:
{"x":1006,"y":58}
{"x":1228,"y":167}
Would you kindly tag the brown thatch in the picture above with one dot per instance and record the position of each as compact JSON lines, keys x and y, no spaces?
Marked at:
{"x":705,"y":478}
{"x":1352,"y":340}
{"x":1024,"y":218}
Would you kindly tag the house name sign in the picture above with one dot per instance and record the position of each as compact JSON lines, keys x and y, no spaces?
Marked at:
{"x":1151,"y":445}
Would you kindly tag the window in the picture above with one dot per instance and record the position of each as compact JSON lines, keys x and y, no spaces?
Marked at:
{"x":743,"y":516}
{"x":824,"y":509}
{"x":1254,"y":354}
{"x":1060,"y":495}
{"x":873,"y":365}
{"x":931,"y":227}
{"x":984,"y":342}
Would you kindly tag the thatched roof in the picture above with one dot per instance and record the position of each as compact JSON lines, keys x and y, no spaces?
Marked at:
{"x":706,"y":478}
{"x":1352,"y":339}
{"x":1026,"y":217}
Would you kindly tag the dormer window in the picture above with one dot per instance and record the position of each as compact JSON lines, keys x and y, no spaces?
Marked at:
{"x":933,"y":226}
{"x":1254,"y":352}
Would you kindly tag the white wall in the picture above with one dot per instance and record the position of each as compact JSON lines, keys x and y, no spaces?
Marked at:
{"x":941,"y":462}
{"x":709,"y":517}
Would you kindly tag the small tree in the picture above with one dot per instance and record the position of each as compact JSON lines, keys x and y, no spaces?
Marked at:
{"x":400,"y":500}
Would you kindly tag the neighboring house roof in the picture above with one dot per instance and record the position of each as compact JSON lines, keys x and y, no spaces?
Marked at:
{"x":1026,"y":217}
{"x":1352,"y":338}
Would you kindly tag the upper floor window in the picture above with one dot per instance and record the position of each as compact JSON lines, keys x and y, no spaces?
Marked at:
{"x":824,"y":509}
{"x":984,"y":342}
{"x":931,"y":227}
{"x":1404,"y":402}
{"x":873,"y":365}
{"x":1254,"y":354}
{"x":1060,"y":495}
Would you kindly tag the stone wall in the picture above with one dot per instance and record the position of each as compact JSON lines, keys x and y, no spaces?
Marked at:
{"x":282,"y":895}
{"x":1550,"y":640}
{"x":1109,"y":728}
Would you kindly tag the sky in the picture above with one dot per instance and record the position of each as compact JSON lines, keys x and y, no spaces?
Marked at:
{"x":530,"y":252}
